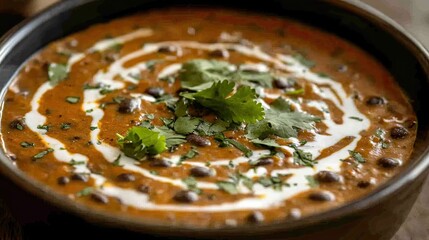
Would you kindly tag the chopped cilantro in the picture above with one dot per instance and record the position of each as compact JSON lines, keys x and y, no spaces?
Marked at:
{"x":199,"y":74}
{"x":304,"y":61}
{"x":186,"y":125}
{"x":171,"y":138}
{"x":312,"y":182}
{"x":228,"y":187}
{"x":65,"y":126}
{"x":295,"y":92}
{"x":44,"y":127}
{"x":280,"y":121}
{"x":267,"y":142}
{"x":85,"y":192}
{"x":240,"y":107}
{"x":190,"y":154}
{"x":42,"y":154}
{"x":302,"y":158}
{"x":191,"y":184}
{"x":227,"y":141}
{"x":117,"y":162}
{"x":357,"y":157}
{"x":27,"y":144}
{"x":141,"y":141}
{"x":57,"y":73}
{"x":356,"y":118}
{"x":92,"y":128}
{"x":74,"y":162}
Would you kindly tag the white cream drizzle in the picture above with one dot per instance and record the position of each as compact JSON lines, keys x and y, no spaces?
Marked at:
{"x":263,"y":197}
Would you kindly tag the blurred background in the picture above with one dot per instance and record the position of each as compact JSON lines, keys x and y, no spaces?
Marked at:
{"x":413,"y":15}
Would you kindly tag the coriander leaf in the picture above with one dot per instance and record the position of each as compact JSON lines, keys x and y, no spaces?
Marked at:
{"x":302,"y":158}
{"x":281,"y":122}
{"x":85,"y":192}
{"x":228,"y":187}
{"x":26,"y":144}
{"x":263,"y":79}
{"x":65,"y":126}
{"x":181,"y":109}
{"x":266,"y":142}
{"x":57,"y":73}
{"x":312,"y":182}
{"x":247,"y":152}
{"x":295,"y":92}
{"x":238,"y":108}
{"x":357,"y":156}
{"x":186,"y":125}
{"x":141,"y":141}
{"x":171,"y":138}
{"x":190,"y":154}
{"x":356,"y":118}
{"x":304,"y":61}
{"x":200,"y":74}
{"x":192,"y":183}
{"x":117,"y":161}
{"x":74,"y":162}
{"x":42,"y":154}
{"x":209,"y":129}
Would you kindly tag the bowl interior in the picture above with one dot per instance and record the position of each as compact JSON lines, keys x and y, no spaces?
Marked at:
{"x":351,"y":20}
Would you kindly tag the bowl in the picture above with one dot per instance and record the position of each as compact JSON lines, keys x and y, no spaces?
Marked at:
{"x":375,"y":216}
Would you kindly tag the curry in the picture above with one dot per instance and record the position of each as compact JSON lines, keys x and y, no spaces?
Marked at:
{"x":207,"y":117}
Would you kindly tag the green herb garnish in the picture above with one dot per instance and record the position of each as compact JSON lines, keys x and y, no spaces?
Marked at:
{"x":85,"y":192}
{"x":312,"y":182}
{"x":57,"y":73}
{"x":141,"y":141}
{"x":74,"y":162}
{"x":228,"y":187}
{"x":191,"y":184}
{"x":27,"y":144}
{"x":302,"y":158}
{"x":65,"y":126}
{"x":357,"y":157}
{"x":280,"y":121}
{"x":42,"y":154}
{"x":239,"y":107}
{"x":356,"y":118}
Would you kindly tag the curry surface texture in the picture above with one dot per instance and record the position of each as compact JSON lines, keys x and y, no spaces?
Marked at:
{"x":207,"y":117}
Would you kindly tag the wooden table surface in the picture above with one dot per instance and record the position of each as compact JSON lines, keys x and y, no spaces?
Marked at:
{"x":413,"y":15}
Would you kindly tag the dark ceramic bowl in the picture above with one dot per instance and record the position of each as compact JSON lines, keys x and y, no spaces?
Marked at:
{"x":376,"y":216}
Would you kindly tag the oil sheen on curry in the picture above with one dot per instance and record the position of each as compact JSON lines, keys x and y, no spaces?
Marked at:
{"x":207,"y":118}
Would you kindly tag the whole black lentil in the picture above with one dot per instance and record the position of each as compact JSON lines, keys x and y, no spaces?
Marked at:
{"x":322,"y":196}
{"x":126,"y":177}
{"x":198,"y":140}
{"x":201,"y":172}
{"x":80,"y":177}
{"x":255,"y":217}
{"x":185,"y":196}
{"x":128,"y":105}
{"x":327,"y":177}
{"x":160,"y":163}
{"x":155,"y":91}
{"x":99,"y":198}
{"x":388,"y":162}
{"x":375,"y":100}
{"x":398,"y":132}
{"x":63,"y":180}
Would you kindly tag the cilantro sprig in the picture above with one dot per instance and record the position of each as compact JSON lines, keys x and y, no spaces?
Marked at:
{"x":141,"y":141}
{"x":280,"y":121}
{"x":239,"y":107}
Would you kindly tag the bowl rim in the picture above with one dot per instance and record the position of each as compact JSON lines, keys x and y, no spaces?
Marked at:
{"x":407,"y":175}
